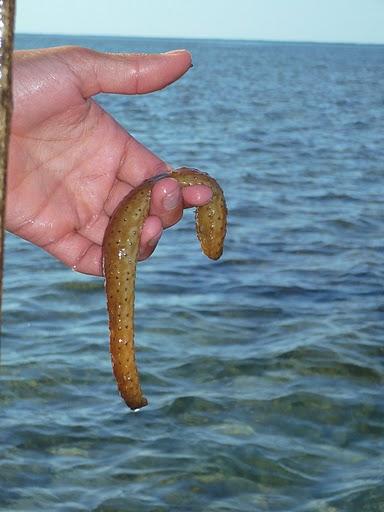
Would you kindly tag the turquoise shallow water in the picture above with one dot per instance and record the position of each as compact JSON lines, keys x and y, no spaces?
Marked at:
{"x":264,"y":370}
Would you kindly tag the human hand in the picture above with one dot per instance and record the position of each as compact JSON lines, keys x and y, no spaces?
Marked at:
{"x":70,"y":163}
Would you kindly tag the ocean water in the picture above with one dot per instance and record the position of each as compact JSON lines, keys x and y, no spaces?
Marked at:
{"x":264,"y":370}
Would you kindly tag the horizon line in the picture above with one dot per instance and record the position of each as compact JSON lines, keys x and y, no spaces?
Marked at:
{"x":200,"y":38}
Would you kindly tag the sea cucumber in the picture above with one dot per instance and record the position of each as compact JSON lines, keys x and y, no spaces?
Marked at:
{"x":120,"y":251}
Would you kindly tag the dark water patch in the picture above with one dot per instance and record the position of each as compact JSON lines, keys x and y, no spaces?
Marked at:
{"x":82,"y":286}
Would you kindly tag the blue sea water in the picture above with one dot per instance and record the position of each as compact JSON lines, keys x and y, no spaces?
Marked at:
{"x":264,"y":370}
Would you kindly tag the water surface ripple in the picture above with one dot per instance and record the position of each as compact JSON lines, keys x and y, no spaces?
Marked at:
{"x":264,"y":370}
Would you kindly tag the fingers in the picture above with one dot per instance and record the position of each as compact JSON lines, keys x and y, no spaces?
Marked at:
{"x":196,"y":195}
{"x":83,"y":250}
{"x":78,"y":252}
{"x":126,"y":73}
{"x":152,"y":231}
{"x":139,"y":163}
{"x":167,"y":201}
{"x":167,"y":204}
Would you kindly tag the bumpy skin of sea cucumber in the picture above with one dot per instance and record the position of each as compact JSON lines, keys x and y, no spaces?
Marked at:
{"x":120,"y":251}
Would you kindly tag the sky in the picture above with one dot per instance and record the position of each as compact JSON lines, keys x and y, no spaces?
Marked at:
{"x":355,"y":21}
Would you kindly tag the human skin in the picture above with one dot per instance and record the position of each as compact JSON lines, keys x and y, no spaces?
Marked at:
{"x":71,"y":163}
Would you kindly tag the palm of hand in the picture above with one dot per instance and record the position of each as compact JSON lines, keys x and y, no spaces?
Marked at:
{"x":70,"y":163}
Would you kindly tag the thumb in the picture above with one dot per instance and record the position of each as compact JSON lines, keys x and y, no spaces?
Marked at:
{"x":127,"y":73}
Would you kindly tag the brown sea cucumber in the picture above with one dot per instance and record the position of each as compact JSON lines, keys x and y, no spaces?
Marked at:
{"x":120,"y":251}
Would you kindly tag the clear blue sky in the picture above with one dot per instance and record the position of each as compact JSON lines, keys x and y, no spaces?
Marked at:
{"x":360,"y":21}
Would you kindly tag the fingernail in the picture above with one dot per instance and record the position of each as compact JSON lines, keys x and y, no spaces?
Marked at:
{"x":144,"y":252}
{"x":172,"y":199}
{"x":181,"y":50}
{"x":153,"y":241}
